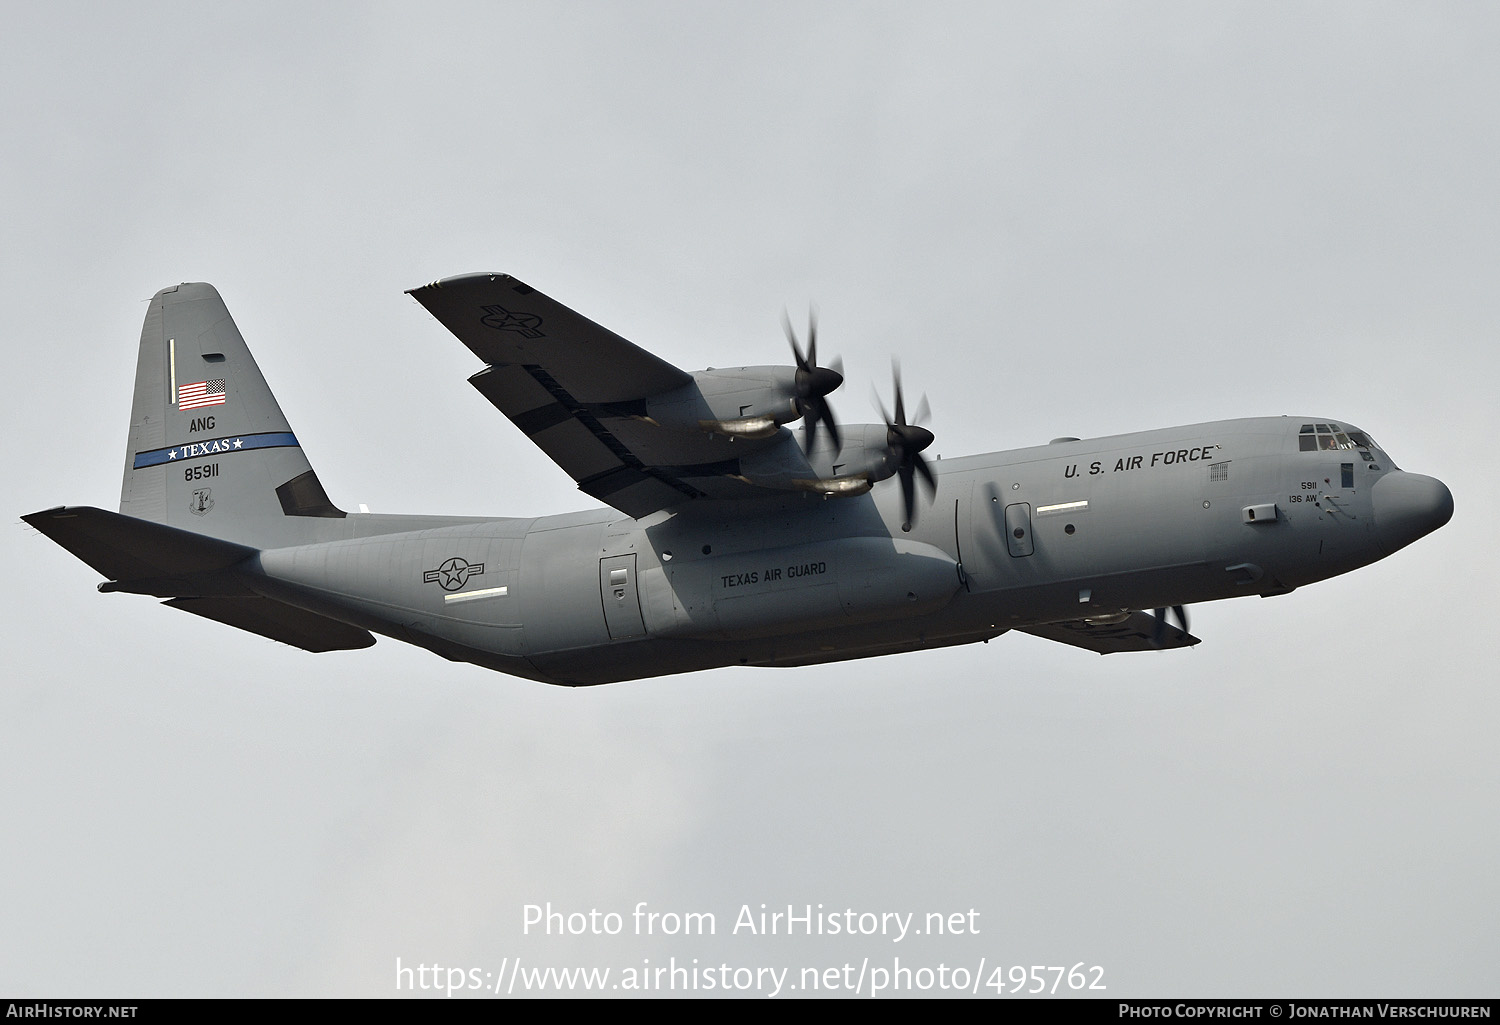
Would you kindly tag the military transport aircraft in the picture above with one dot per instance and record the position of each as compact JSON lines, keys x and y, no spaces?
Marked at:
{"x":730,"y":538}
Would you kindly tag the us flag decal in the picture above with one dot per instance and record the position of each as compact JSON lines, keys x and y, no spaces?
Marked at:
{"x":204,"y":393}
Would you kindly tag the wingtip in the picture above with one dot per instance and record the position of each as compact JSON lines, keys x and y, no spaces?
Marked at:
{"x":459,"y":279}
{"x":45,"y":514}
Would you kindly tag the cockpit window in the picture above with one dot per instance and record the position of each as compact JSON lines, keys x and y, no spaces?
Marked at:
{"x":1332,"y":438}
{"x":1363,"y":442}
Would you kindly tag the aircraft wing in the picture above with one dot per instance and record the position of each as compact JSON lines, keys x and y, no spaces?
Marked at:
{"x":579,"y":392}
{"x":1137,"y":633}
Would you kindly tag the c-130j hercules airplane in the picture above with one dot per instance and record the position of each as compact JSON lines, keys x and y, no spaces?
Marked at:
{"x":730,"y":541}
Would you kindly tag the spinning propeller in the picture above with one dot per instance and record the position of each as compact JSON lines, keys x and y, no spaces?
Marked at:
{"x":905,"y":442}
{"x":813,"y":383}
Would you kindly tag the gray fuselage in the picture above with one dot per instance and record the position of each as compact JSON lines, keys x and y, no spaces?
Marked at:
{"x":1066,"y":532}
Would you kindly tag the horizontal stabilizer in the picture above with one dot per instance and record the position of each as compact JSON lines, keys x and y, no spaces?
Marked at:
{"x":285,"y":623}
{"x":1140,"y":631}
{"x":126,"y":549}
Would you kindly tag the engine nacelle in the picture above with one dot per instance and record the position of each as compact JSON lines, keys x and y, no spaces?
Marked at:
{"x":864,"y":460}
{"x":747,"y":402}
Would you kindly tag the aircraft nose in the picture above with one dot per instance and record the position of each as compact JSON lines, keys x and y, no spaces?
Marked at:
{"x":1408,"y":506}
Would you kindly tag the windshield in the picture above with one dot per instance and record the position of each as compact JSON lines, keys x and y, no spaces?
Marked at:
{"x":1331,"y":437}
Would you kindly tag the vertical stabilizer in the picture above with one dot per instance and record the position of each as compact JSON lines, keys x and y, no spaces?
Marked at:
{"x":209,"y":449}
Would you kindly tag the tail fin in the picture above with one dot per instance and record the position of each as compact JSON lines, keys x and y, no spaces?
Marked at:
{"x":210,"y":451}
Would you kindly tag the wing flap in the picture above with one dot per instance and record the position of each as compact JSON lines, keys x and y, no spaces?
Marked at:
{"x":581,"y":443}
{"x":577,"y":449}
{"x":635,"y":492}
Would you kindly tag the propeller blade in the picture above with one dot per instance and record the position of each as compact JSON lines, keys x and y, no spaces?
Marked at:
{"x":813,"y":383}
{"x":833,"y":429}
{"x":924,"y":411}
{"x":927,"y":477}
{"x":791,"y":336}
{"x":905,"y":442}
{"x":810,"y":435}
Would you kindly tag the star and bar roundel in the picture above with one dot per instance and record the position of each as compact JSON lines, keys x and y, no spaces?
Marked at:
{"x":453,"y":573}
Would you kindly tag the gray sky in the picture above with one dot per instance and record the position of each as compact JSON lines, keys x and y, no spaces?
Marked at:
{"x":1065,"y":219}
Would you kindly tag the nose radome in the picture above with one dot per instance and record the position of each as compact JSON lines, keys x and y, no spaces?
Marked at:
{"x":1409,"y":506}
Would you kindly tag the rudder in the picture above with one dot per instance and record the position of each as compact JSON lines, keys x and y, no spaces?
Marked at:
{"x":210,"y":450}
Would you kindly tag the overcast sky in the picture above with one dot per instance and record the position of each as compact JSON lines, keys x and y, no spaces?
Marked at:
{"x":1066,"y":219}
